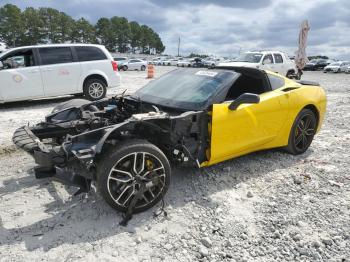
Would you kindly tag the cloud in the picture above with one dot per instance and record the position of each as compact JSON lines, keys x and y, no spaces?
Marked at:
{"x":224,"y":27}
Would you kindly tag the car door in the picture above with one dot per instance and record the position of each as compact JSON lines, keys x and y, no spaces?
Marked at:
{"x":280,"y":65}
{"x":20,"y":76}
{"x":60,"y":71}
{"x":132,"y":64}
{"x":250,"y":127}
{"x":268,"y":63}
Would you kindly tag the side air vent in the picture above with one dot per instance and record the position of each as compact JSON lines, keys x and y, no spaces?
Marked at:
{"x":289,"y":89}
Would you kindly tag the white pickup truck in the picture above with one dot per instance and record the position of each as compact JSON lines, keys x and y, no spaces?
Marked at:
{"x":274,"y":61}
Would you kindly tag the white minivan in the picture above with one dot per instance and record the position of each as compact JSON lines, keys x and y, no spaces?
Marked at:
{"x":33,"y":72}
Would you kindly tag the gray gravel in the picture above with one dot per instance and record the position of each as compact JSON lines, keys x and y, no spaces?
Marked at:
{"x":261,"y":207}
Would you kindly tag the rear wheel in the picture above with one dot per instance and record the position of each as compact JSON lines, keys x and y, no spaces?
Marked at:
{"x":290,"y":74}
{"x":143,"y":68}
{"x":95,"y":89}
{"x":302,"y":132}
{"x":121,"y":170}
{"x":125,"y":67}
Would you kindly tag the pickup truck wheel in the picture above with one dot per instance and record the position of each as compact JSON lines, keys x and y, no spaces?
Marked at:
{"x":124,"y":170}
{"x":302,"y":132}
{"x":290,"y":74}
{"x":95,"y":89}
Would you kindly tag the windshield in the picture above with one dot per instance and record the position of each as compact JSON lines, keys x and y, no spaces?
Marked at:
{"x":186,"y":88}
{"x":249,"y":57}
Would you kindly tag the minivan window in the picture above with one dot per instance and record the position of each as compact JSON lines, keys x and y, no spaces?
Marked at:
{"x":55,"y":55}
{"x":18,"y":59}
{"x":89,"y":53}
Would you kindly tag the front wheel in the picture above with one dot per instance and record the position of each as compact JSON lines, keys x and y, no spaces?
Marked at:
{"x":302,"y":132}
{"x":95,"y":89}
{"x":122,"y":171}
{"x":143,"y":68}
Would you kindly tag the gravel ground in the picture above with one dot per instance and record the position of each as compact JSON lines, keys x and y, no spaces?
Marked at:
{"x":260,"y":207}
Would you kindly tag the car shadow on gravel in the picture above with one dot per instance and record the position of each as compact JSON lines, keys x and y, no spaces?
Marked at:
{"x":48,"y":102}
{"x":87,"y":219}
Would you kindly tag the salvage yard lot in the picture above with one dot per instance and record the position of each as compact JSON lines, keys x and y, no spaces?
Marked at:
{"x":263,"y":206}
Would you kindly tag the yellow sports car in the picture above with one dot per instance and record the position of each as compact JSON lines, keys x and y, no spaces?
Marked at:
{"x":188,"y":116}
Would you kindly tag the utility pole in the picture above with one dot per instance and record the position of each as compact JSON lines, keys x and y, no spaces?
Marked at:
{"x":178,"y":48}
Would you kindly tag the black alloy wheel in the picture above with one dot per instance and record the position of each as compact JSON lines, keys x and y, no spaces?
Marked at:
{"x":302,"y":132}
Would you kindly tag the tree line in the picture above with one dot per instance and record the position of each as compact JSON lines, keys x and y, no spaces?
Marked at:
{"x":47,"y":25}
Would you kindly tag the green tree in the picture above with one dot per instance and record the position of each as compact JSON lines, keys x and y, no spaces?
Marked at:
{"x":121,"y":31}
{"x":83,"y":32}
{"x":33,"y":24}
{"x":105,"y":34}
{"x":51,"y":19}
{"x":11,"y":24}
{"x":135,"y":31}
{"x":65,"y":28}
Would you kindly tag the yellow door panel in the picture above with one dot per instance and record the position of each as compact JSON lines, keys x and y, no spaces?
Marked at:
{"x":249,"y":128}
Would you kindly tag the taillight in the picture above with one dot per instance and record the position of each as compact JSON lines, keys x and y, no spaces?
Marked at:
{"x":115,"y":66}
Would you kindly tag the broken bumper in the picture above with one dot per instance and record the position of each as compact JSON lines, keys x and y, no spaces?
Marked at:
{"x":50,"y":161}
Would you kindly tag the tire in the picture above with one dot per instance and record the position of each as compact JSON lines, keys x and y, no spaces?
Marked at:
{"x":115,"y":192}
{"x":290,"y":74}
{"x":143,"y":68}
{"x":95,"y":89}
{"x":125,"y":67}
{"x":302,"y":132}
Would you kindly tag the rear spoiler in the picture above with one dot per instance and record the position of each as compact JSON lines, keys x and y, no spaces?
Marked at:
{"x":307,"y":83}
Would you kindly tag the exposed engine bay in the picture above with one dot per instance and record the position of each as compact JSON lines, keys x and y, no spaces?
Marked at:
{"x":73,"y":137}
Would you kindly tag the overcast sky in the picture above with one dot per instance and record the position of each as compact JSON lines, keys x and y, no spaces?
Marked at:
{"x":223,"y":27}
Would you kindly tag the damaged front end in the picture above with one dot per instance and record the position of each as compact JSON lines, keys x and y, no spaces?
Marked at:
{"x":71,"y":141}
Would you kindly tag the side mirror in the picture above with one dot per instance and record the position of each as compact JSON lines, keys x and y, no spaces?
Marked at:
{"x":246,"y":98}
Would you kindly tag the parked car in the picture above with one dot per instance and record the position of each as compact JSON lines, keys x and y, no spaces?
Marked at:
{"x":337,"y":67}
{"x":168,"y":61}
{"x":198,"y":62}
{"x":316,"y":64}
{"x":121,"y":61}
{"x":155,"y":61}
{"x":347,"y":70}
{"x":274,"y":61}
{"x":185,"y":63}
{"x":3,"y":47}
{"x":54,"y":70}
{"x":212,"y":62}
{"x":135,"y":64}
{"x":127,"y":142}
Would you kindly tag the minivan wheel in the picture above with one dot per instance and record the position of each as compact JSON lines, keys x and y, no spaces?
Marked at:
{"x":95,"y":89}
{"x":127,"y":168}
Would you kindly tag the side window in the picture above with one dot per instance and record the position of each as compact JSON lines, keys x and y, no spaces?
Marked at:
{"x":278,"y":58}
{"x":275,"y":81}
{"x":89,"y":53}
{"x":18,"y":59}
{"x":268,"y":59}
{"x":132,"y":61}
{"x":55,"y":55}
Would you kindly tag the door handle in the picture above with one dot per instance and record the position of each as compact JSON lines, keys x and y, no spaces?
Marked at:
{"x":47,"y":69}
